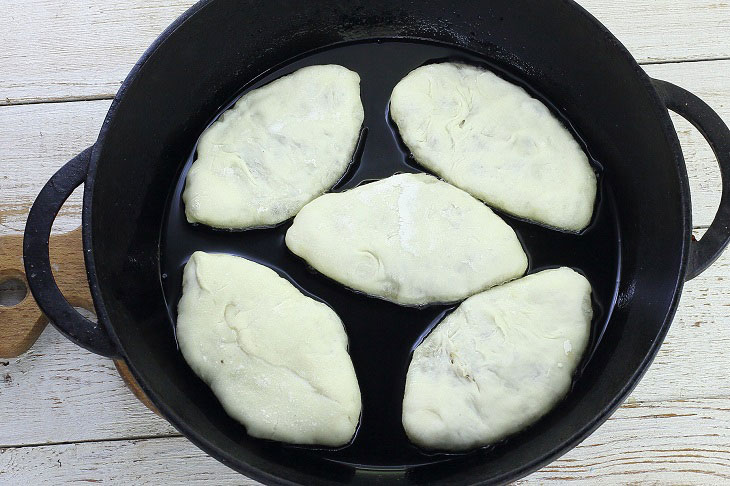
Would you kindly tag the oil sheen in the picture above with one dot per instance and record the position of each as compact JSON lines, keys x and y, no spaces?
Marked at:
{"x":382,"y":334}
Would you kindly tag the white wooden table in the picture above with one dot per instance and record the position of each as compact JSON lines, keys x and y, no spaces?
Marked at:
{"x":66,"y":416}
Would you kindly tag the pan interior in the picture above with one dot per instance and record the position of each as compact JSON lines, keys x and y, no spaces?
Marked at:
{"x":383,"y":335}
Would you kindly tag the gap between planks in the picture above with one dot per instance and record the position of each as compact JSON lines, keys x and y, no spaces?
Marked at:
{"x":66,"y":99}
{"x":175,"y":460}
{"x":110,"y":95}
{"x":90,"y":441}
{"x":96,"y":43}
{"x":680,"y":61}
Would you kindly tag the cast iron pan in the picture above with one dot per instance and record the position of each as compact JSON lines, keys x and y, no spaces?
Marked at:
{"x":635,"y":253}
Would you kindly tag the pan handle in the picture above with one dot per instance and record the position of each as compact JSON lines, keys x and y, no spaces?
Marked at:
{"x":63,"y":316}
{"x":704,"y":252}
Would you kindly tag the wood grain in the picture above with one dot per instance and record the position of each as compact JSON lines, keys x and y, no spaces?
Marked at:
{"x":638,"y":446}
{"x":75,"y":50}
{"x":665,"y":30}
{"x":126,"y":375}
{"x":56,"y":51}
{"x":20,"y":325}
{"x":62,"y":393}
{"x":35,"y":141}
{"x":641,"y":445}
{"x":163,"y":462}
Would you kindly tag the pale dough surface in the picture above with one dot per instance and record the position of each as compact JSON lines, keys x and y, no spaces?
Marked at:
{"x":410,"y":239}
{"x":276,"y":149}
{"x":499,"y":362}
{"x":492,"y":139}
{"x":276,"y":359}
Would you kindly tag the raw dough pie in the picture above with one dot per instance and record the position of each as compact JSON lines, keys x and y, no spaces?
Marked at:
{"x":278,"y":148}
{"x":499,"y":362}
{"x":492,"y":139}
{"x":410,"y":239}
{"x":276,"y":359}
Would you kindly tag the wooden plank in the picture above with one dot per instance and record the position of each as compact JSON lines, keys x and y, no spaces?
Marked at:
{"x":37,"y":139}
{"x":58,"y":392}
{"x":21,"y":323}
{"x":679,"y":442}
{"x":150,"y":462}
{"x":84,"y":49}
{"x":667,"y":30}
{"x":72,"y":50}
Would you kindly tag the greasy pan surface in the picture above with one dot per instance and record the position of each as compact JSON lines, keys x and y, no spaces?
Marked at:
{"x":224,"y":46}
{"x":382,"y":334}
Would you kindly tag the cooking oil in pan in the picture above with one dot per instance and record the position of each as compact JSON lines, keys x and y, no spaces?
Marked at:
{"x":382,"y":334}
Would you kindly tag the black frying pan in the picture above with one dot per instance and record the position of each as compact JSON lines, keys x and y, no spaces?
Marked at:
{"x":637,"y":253}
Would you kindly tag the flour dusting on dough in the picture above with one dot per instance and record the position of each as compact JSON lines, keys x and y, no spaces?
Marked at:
{"x":492,"y":139}
{"x":276,"y":149}
{"x":410,"y":239}
{"x":499,"y":362}
{"x":276,"y":359}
